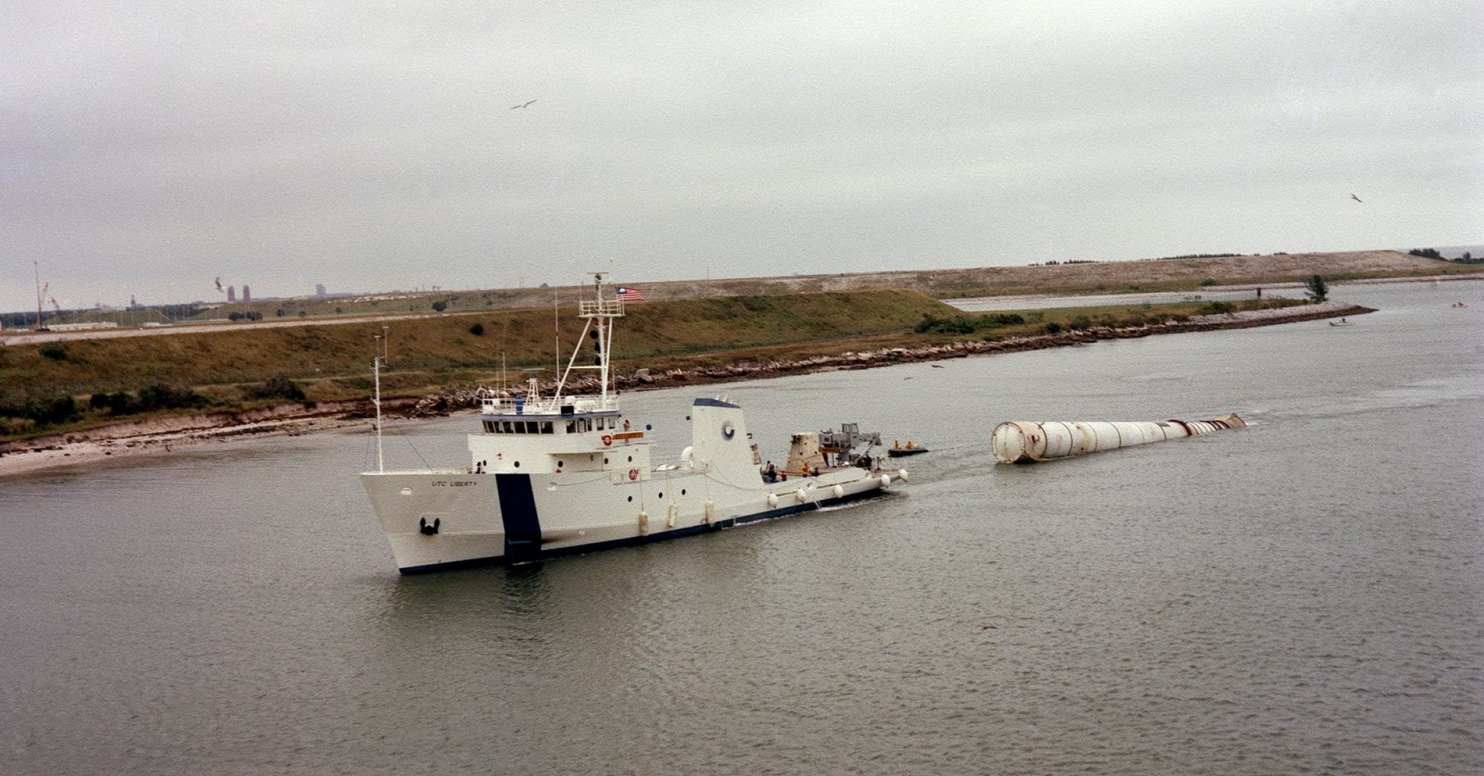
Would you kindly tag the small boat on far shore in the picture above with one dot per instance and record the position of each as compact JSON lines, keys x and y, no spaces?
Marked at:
{"x":1341,"y":322}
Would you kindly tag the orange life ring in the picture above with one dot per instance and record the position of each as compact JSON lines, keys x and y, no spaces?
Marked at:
{"x":633,"y":474}
{"x":607,"y":440}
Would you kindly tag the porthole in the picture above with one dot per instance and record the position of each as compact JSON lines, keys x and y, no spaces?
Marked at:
{"x":682,"y":491}
{"x":517,"y":464}
{"x":662,"y":494}
{"x":631,"y":499}
{"x":560,"y":464}
{"x":631,"y":459}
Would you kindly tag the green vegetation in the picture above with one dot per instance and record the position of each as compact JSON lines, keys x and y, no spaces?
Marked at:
{"x":1317,"y":289}
{"x":963,"y":324}
{"x":275,"y":388}
{"x":1432,"y":253}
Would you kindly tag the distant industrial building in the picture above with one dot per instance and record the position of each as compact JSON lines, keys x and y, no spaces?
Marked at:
{"x":319,"y":289}
{"x":231,"y":293}
{"x":246,"y":293}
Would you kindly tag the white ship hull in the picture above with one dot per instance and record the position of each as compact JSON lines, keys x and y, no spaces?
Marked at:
{"x":512,"y":518}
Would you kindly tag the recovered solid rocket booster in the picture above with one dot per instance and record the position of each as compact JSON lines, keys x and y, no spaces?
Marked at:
{"x":1023,"y":441}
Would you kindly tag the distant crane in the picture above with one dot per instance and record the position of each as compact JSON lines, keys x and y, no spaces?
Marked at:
{"x":40,"y":292}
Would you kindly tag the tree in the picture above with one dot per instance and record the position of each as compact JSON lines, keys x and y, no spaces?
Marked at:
{"x":1316,"y":289}
{"x":440,"y":305}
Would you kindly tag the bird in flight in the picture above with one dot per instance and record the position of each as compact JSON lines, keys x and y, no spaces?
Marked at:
{"x":219,"y":283}
{"x":1357,"y":199}
{"x":522,"y":105}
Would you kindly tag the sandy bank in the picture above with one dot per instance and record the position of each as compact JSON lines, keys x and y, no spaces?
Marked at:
{"x":164,"y":435}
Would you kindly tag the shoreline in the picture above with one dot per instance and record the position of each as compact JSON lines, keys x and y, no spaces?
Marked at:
{"x":158,"y":436}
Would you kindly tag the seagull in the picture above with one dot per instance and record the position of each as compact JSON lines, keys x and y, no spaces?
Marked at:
{"x":1357,"y":199}
{"x":522,"y":105}
{"x":936,"y":366}
{"x":218,"y":283}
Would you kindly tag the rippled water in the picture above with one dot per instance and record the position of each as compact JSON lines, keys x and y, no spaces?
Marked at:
{"x":1300,"y":596}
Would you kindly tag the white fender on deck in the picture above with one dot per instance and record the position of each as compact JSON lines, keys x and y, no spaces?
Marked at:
{"x":688,"y":456}
{"x":886,"y":480}
{"x":838,"y":491}
{"x":643,"y":522}
{"x":801,"y":495}
{"x":902,"y":475}
{"x":772,"y":499}
{"x":710,"y":511}
{"x":672,"y":514}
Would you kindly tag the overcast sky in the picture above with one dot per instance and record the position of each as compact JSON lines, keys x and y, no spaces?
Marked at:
{"x":148,"y":148}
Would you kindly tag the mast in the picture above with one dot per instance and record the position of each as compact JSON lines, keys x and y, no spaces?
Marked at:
{"x":599,"y":315}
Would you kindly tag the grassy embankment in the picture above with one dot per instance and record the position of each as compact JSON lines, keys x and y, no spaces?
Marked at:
{"x":56,"y":387}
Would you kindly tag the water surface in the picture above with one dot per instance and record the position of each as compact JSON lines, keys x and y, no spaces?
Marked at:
{"x":1300,"y":596}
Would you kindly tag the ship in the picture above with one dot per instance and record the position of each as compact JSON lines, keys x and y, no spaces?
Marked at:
{"x":561,"y":473}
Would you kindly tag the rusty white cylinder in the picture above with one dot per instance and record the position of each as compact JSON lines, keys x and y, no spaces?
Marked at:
{"x":1023,"y":441}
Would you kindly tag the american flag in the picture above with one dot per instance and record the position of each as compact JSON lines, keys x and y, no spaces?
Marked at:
{"x":629,"y":294}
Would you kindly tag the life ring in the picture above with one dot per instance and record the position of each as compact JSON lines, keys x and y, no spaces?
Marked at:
{"x":607,"y":440}
{"x":633,"y":474}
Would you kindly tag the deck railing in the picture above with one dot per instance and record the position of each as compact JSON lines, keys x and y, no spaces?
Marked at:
{"x":606,"y":307}
{"x":546,"y":405}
